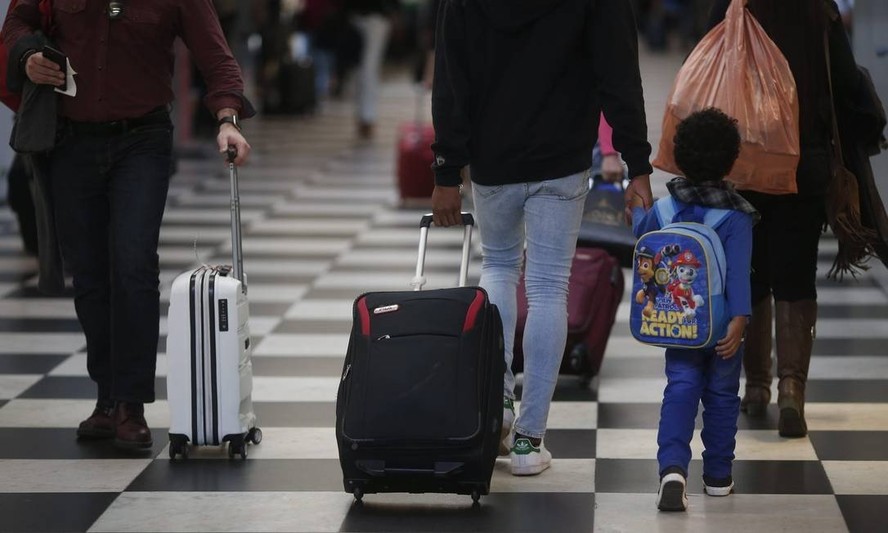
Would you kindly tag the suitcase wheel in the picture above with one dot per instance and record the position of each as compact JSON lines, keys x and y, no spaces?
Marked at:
{"x":358,"y":493}
{"x":178,"y":447}
{"x":254,"y":436}
{"x":577,"y":357}
{"x":579,"y":363}
{"x":476,"y":496}
{"x":237,"y":446}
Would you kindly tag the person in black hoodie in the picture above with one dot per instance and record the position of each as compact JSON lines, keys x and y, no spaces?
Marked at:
{"x":517,"y":94}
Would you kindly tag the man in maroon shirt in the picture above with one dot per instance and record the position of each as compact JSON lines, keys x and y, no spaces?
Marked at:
{"x":109,"y":172}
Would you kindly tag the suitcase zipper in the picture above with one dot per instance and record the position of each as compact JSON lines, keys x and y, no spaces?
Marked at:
{"x":408,"y":445}
{"x":388,"y":337}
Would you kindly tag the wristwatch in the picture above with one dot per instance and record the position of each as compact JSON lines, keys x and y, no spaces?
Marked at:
{"x":230,"y":119}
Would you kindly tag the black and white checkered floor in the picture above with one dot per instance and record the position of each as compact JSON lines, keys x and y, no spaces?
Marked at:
{"x":322,"y":225}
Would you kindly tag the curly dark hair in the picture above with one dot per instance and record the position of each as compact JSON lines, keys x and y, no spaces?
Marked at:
{"x":706,"y":145}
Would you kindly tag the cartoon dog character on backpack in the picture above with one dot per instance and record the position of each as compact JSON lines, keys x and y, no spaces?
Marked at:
{"x":684,"y":271}
{"x":645,"y":267}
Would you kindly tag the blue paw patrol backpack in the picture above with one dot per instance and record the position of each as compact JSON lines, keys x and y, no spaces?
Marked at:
{"x":678,"y":298}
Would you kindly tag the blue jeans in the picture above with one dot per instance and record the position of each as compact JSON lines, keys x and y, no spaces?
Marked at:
{"x":547,"y":214}
{"x":694,"y":376}
{"x":109,"y":194}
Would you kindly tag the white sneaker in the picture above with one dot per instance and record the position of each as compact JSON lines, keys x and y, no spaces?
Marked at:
{"x":506,"y":436}
{"x":672,"y":495}
{"x":527,"y":459}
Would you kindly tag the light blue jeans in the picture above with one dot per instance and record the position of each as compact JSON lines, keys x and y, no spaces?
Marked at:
{"x":547,"y":215}
{"x":375,"y":29}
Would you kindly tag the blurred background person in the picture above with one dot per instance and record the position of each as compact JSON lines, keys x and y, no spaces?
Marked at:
{"x":22,"y":204}
{"x":373,"y":20}
{"x":606,"y":161}
{"x":427,"y":22}
{"x":670,"y":22}
{"x":285,"y":74}
{"x":323,"y":22}
{"x":203,"y":122}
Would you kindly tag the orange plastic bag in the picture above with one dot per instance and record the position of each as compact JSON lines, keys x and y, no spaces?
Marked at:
{"x":738,"y":69}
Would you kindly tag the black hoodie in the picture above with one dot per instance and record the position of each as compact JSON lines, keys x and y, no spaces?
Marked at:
{"x":520,"y":84}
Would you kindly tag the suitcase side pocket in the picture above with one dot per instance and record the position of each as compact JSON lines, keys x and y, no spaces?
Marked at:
{"x":407,"y":390}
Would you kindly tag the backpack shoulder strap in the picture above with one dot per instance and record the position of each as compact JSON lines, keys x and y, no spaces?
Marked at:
{"x":665,"y":208}
{"x":715,"y":217}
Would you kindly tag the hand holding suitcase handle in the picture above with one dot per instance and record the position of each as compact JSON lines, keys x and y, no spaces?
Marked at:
{"x":236,"y":245}
{"x":426,"y":222}
{"x":469,"y":222}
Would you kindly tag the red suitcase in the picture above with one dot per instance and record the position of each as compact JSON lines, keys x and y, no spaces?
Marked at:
{"x":415,"y":157}
{"x":595,"y":290}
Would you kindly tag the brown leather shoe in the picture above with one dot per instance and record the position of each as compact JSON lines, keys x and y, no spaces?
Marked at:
{"x":131,"y":430}
{"x":100,"y":425}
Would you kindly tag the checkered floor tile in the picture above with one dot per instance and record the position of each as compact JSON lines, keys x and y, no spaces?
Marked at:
{"x":321,"y":225}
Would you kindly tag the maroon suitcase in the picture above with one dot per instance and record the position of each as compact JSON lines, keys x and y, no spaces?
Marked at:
{"x":415,"y":157}
{"x":595,"y":290}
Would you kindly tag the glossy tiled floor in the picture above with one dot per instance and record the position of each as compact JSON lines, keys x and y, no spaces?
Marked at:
{"x":322,"y":225}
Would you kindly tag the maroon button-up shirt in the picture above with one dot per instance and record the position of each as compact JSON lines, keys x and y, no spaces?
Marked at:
{"x":125,"y":66}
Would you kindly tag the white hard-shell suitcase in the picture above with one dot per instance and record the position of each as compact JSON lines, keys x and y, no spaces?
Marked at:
{"x":210,"y":373}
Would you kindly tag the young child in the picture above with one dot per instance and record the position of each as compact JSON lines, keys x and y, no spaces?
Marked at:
{"x":706,"y":145}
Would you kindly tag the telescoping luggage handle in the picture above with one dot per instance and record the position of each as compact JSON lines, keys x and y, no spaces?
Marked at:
{"x":419,"y":115}
{"x":237,"y":259}
{"x":468,"y":222}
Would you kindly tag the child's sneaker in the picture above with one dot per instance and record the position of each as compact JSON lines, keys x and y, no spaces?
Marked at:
{"x":527,"y":459}
{"x":508,"y":421}
{"x":718,"y":487}
{"x":672,"y":495}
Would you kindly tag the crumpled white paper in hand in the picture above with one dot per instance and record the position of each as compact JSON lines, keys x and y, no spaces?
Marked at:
{"x":71,"y":89}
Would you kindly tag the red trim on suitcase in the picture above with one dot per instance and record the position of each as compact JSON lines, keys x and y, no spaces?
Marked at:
{"x":472,"y":314}
{"x":364,"y":313}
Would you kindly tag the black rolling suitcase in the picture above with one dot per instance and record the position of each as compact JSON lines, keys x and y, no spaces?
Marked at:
{"x":292,"y":92}
{"x":420,"y":402}
{"x":297,"y":86}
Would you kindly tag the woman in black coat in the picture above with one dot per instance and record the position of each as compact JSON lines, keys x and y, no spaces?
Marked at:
{"x":785,"y":242}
